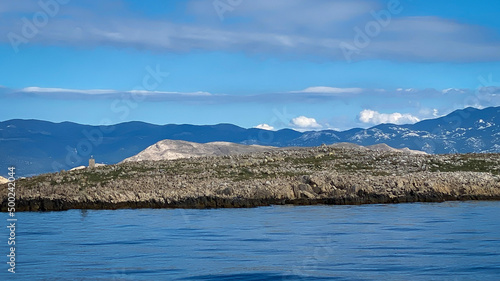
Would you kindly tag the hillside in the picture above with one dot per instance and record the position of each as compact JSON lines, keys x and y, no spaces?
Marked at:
{"x":36,"y":147}
{"x":172,"y":149}
{"x":337,"y":174}
{"x":3,"y":180}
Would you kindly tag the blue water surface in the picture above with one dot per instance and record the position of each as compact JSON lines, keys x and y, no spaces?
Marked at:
{"x":421,"y":241}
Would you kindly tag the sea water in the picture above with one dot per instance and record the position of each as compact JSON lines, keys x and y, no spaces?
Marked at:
{"x":421,"y":241}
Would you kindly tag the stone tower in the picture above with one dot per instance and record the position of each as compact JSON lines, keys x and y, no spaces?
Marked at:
{"x":91,"y":162}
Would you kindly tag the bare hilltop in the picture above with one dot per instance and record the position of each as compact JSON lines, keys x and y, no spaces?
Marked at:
{"x":3,"y":180}
{"x":336,"y":174}
{"x":177,"y":149}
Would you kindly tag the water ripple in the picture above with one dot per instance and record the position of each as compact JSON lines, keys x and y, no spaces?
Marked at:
{"x":420,"y":241}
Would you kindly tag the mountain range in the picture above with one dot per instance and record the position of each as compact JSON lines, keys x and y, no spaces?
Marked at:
{"x":36,"y":147}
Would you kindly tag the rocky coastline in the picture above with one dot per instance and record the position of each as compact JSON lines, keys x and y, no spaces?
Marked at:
{"x":333,"y":175}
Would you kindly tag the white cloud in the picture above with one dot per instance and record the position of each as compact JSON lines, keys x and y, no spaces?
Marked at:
{"x":285,"y":27}
{"x":331,"y":90}
{"x":427,"y":112}
{"x":303,"y":122}
{"x":422,"y":103}
{"x":264,"y":127}
{"x":290,"y":14}
{"x":57,"y":92}
{"x":374,"y":117}
{"x":159,"y":93}
{"x":61,"y":90}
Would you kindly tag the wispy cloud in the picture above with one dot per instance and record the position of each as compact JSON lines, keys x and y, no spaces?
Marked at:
{"x":40,"y":90}
{"x":297,"y":28}
{"x":60,"y":93}
{"x":374,"y":99}
{"x":331,"y":90}
{"x":373,"y":106}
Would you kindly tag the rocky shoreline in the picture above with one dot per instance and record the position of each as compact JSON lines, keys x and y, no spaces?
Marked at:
{"x":333,"y":175}
{"x":40,"y":204}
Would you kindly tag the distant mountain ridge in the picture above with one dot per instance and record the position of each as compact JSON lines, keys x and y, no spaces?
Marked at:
{"x":36,"y":147}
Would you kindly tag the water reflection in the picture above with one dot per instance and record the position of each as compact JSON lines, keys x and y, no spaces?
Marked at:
{"x":83,"y":214}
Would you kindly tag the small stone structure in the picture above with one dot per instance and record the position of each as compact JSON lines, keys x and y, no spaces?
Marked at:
{"x":91,"y":162}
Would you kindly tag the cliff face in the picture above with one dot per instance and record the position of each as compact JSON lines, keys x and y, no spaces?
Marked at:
{"x":320,"y":175}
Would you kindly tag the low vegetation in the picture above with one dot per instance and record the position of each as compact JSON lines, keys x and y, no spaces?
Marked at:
{"x":325,"y":174}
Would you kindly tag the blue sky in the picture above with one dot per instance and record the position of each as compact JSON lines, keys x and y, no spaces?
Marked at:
{"x":307,"y":65}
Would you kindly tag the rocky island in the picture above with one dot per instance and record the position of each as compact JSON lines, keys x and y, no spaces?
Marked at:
{"x":334,"y":174}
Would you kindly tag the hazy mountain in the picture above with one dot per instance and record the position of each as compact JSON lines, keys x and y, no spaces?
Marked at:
{"x":35,"y":146}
